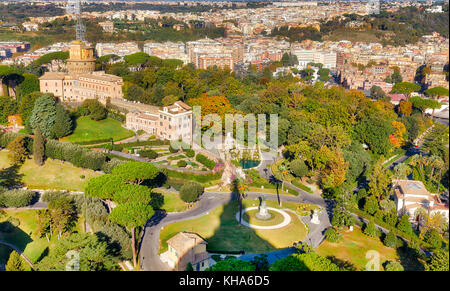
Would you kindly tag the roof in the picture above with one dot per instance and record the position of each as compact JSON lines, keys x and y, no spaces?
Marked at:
{"x":101,"y":76}
{"x":184,"y":241}
{"x":411,"y":187}
{"x":53,"y":76}
{"x":396,"y":97}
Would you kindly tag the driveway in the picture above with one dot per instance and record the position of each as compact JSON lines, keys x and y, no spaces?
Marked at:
{"x":150,"y":240}
{"x":209,"y":201}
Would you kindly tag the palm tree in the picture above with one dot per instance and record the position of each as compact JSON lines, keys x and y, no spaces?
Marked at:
{"x":440,"y":177}
{"x":401,"y":171}
{"x":439,"y":164}
{"x":283,"y":172}
{"x":420,"y":161}
{"x":420,"y":214}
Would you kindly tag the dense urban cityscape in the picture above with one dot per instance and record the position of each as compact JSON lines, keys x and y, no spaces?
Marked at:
{"x":224,"y":136}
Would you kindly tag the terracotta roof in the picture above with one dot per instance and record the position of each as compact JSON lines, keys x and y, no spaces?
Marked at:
{"x":411,"y":187}
{"x":184,"y":241}
{"x":147,"y":116}
{"x":53,"y":76}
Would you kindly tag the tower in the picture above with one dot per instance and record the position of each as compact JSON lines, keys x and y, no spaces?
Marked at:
{"x":74,"y":7}
{"x":81,"y":58}
{"x":373,"y":6}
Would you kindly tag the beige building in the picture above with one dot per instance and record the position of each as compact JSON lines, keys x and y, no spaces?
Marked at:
{"x":185,"y":248}
{"x":107,"y":26}
{"x":81,"y":82}
{"x":169,"y":122}
{"x":81,"y":58}
{"x":411,"y":195}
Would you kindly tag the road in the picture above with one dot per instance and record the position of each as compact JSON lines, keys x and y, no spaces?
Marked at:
{"x":150,"y":240}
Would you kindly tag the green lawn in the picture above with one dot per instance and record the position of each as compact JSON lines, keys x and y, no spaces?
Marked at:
{"x":54,"y":174}
{"x":24,"y":238}
{"x":223,"y":233}
{"x":89,"y":130}
{"x":172,"y":201}
{"x":353,"y":246}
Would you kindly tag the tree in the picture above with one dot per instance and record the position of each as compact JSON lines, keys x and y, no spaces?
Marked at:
{"x":404,"y":224}
{"x":304,"y":262}
{"x":405,"y":88}
{"x":63,"y":215}
{"x":189,"y":267}
{"x":26,"y":106}
{"x":370,"y":229}
{"x":132,"y":193}
{"x":191,"y":191}
{"x":63,"y":123}
{"x":38,"y":147}
{"x":232,"y":264}
{"x":405,"y":107}
{"x":401,"y":171}
{"x":132,"y":215}
{"x":29,"y":84}
{"x":261,"y":263}
{"x":375,"y":131}
{"x":377,"y":93}
{"x":438,"y":262}
{"x":15,"y":262}
{"x":390,"y":240}
{"x":96,"y":110}
{"x":43,"y":115}
{"x":436,"y":92}
{"x":136,"y":172}
{"x":331,"y":235}
{"x":18,"y":152}
{"x":92,"y":253}
{"x":424,"y":104}
{"x":371,"y":205}
{"x":393,"y":266}
{"x":103,"y":187}
{"x":298,"y":168}
{"x":433,"y":237}
{"x":379,"y":180}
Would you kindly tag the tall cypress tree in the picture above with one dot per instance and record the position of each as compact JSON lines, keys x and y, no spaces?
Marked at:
{"x":38,"y":147}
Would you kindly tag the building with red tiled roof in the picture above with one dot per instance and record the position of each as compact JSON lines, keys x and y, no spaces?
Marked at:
{"x":185,"y":248}
{"x":409,"y":195}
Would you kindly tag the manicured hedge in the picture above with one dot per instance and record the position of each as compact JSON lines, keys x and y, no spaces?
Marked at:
{"x":151,"y":154}
{"x":198,"y":178}
{"x":16,"y":198}
{"x":119,"y":147}
{"x":75,"y":154}
{"x":210,"y":164}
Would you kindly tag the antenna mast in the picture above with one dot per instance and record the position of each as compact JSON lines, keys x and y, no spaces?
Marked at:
{"x":74,"y":7}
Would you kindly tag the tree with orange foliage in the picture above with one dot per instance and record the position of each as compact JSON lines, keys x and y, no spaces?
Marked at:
{"x":405,"y":108}
{"x":399,"y":133}
{"x":219,"y":105}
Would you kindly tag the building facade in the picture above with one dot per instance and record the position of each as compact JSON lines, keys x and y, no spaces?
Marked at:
{"x":409,"y":195}
{"x":187,"y":248}
{"x":81,"y":82}
{"x":172,"y":122}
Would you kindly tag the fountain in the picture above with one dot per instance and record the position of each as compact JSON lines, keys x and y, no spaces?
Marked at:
{"x":315,"y":217}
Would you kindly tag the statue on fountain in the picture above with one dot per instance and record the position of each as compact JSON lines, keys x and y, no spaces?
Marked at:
{"x":263,"y":213}
{"x":315,"y":217}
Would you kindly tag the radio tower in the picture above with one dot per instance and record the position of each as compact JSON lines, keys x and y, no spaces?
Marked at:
{"x":373,"y":6}
{"x":74,"y":7}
